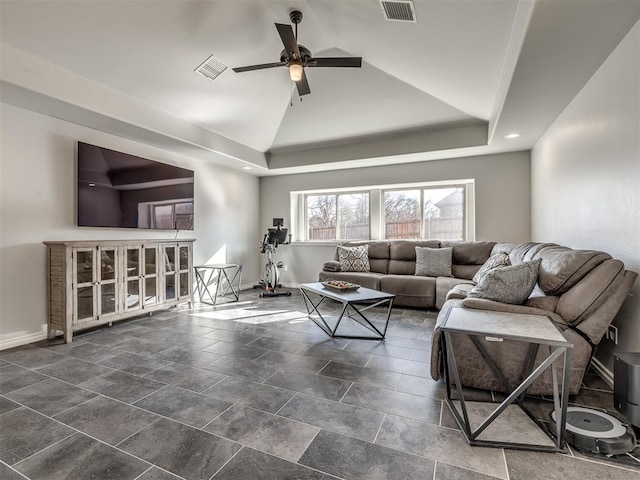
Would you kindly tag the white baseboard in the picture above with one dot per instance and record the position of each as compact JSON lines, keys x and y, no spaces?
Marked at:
{"x":603,"y":371}
{"x":23,"y":339}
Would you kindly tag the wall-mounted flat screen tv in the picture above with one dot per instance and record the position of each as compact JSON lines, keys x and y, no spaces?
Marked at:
{"x":120,"y":190}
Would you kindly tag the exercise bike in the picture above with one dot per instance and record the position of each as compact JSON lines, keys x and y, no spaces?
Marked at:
{"x":274,"y":237}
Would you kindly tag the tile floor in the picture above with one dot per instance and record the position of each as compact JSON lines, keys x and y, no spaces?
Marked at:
{"x":252,"y":390}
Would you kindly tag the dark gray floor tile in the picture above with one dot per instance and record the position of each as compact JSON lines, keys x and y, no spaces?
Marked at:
{"x":187,"y":355}
{"x":302,"y":337}
{"x":361,"y":375}
{"x":180,"y":449}
{"x":441,"y":444}
{"x":337,"y":417}
{"x":106,"y":419}
{"x":25,"y":432}
{"x":91,"y":352}
{"x":80,"y":456}
{"x":337,"y":355}
{"x":280,"y":345}
{"x":593,"y":399}
{"x":414,"y":343}
{"x":183,"y":376}
{"x":50,"y":396}
{"x":184,"y":406}
{"x":34,"y":358}
{"x":269,"y":433}
{"x":423,"y":356}
{"x":106,"y":337}
{"x":354,"y":459}
{"x":122,"y":386}
{"x":378,"y":348}
{"x":450,"y":472}
{"x":396,"y":403}
{"x":13,"y":377}
{"x":398,"y":365}
{"x":236,"y":350}
{"x":251,"y":394}
{"x":239,"y":337}
{"x":239,"y":367}
{"x":75,"y":371}
{"x":426,"y":387}
{"x":142,"y":346}
{"x":255,"y":465}
{"x":8,"y":473}
{"x":291,"y":361}
{"x":447,"y":419}
{"x":154,"y":473}
{"x":523,"y":465}
{"x":325,"y":387}
{"x":7,"y":405}
{"x":134,"y":364}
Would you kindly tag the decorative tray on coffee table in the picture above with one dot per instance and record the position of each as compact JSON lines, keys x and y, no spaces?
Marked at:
{"x":340,"y":286}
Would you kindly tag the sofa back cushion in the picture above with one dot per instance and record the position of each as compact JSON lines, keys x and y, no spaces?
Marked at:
{"x":561,"y":268}
{"x":378,"y":254}
{"x":402,"y":255}
{"x":469,"y":253}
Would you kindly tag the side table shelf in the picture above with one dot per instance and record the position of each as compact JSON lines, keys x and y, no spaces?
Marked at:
{"x":507,"y":424}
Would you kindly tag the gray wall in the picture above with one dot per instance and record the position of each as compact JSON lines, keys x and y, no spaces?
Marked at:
{"x":37,"y":190}
{"x":502,"y":198}
{"x":586,"y":177}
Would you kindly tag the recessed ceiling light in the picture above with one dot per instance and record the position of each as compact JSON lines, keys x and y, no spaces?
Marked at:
{"x":246,"y":168}
{"x":513,"y":135}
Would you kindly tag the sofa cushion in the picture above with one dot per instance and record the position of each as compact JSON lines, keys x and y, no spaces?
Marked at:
{"x":378,"y":254}
{"x":500,"y":259}
{"x":411,"y":290}
{"x":402,"y":255}
{"x":520,"y":252}
{"x":433,"y":262}
{"x":469,"y":253}
{"x":511,"y":284}
{"x":561,"y":267}
{"x":354,"y":259}
{"x":464,"y":271}
{"x":445,"y":285}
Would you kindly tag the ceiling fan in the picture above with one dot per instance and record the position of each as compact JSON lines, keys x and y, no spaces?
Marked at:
{"x":296,"y":57}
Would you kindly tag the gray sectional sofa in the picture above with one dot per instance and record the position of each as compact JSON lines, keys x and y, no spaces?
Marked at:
{"x":580,"y":290}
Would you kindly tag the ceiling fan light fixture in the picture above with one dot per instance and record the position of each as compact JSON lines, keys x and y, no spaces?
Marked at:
{"x":295,"y":71}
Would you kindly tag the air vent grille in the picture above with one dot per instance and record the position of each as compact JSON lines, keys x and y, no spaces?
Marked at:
{"x":211,"y":68}
{"x":399,"y":10}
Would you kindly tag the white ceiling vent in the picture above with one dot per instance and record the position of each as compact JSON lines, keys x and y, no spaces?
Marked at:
{"x":211,"y":68}
{"x":399,"y":10}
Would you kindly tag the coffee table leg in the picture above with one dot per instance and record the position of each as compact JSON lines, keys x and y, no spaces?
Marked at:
{"x":313,"y":307}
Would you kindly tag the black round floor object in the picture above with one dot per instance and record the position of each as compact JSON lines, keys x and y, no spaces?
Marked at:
{"x":596,"y":432}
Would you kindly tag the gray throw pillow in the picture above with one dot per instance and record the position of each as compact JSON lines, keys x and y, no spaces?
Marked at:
{"x":500,"y":259}
{"x":354,"y":259}
{"x":434,"y":262}
{"x":512,"y":284}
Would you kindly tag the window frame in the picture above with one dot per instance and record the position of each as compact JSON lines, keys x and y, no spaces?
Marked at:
{"x":337,"y":194}
{"x":298,"y":208}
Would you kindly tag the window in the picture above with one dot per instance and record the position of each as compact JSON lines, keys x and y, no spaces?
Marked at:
{"x":343,"y":216}
{"x":429,"y":213}
{"x":435,"y":210}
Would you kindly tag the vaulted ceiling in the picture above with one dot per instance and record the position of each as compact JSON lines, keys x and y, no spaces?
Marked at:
{"x":454,"y":83}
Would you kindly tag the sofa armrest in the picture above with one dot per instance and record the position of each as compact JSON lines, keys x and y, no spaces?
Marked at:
{"x":331,"y":266}
{"x":484,"y":304}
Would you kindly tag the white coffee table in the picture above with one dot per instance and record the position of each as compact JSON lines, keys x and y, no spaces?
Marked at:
{"x":354,"y":304}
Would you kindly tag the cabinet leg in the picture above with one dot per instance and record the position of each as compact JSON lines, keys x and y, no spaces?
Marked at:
{"x":51,"y":333}
{"x":68,"y":335}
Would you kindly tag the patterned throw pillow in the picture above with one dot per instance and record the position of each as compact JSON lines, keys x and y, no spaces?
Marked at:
{"x":512,"y":284}
{"x":354,"y":259}
{"x":434,"y":262}
{"x":500,"y":259}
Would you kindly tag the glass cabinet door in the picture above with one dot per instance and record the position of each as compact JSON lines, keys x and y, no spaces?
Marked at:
{"x":170,"y":272}
{"x":107,"y":269}
{"x":85,"y":284}
{"x":184,"y":273}
{"x":133,"y":274}
{"x":150,"y":276}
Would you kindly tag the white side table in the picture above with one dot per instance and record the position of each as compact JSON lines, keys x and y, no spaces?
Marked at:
{"x":508,"y":424}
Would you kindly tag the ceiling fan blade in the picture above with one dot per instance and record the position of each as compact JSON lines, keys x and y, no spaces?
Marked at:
{"x":258,"y":67}
{"x":288,"y":39}
{"x":303,"y":85}
{"x":355,"y":62}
